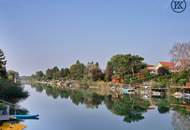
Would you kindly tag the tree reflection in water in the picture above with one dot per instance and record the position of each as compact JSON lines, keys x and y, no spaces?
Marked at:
{"x":180,"y":121}
{"x":163,"y":106}
{"x":132,"y":108}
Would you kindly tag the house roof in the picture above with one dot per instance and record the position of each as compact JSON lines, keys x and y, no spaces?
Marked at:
{"x":150,"y":65}
{"x":167,"y":64}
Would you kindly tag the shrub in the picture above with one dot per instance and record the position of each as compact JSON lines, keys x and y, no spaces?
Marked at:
{"x":11,"y":91}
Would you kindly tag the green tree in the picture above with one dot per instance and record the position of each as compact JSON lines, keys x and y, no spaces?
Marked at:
{"x":127,"y":64}
{"x":108,"y":72}
{"x":53,"y":73}
{"x":2,"y":65}
{"x":13,"y":75}
{"x":93,"y":72}
{"x":56,"y":73}
{"x":77,"y":70}
{"x":39,"y":75}
{"x":181,"y":77}
{"x":49,"y":74}
{"x":64,"y":72}
{"x":10,"y":91}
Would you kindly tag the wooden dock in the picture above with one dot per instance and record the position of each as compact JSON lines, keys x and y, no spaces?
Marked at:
{"x":4,"y":117}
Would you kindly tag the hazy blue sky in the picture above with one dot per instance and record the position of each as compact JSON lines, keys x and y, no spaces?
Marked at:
{"x":37,"y":34}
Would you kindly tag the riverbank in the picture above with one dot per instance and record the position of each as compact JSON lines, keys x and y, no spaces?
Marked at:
{"x":11,"y":91}
{"x":146,"y":89}
{"x":74,"y":83}
{"x":99,"y":87}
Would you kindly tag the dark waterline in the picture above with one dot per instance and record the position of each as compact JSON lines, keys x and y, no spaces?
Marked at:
{"x":62,"y":114}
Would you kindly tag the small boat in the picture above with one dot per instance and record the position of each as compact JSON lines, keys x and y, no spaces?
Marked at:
{"x":152,"y":107}
{"x":186,"y":95}
{"x":178,"y":95}
{"x":145,"y":96}
{"x":25,"y":116}
{"x":127,"y":90}
{"x":159,"y":92}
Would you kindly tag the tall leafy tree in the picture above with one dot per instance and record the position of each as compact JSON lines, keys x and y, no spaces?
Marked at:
{"x":93,"y":72}
{"x":56,"y":73}
{"x":77,"y":70}
{"x":13,"y":75}
{"x":39,"y":75}
{"x":53,"y":73}
{"x":64,"y":72}
{"x":108,"y":71}
{"x":49,"y":74}
{"x":127,"y":64}
{"x":2,"y":65}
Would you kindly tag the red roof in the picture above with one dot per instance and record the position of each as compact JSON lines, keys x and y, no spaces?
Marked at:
{"x":169,"y":65}
{"x":150,"y":65}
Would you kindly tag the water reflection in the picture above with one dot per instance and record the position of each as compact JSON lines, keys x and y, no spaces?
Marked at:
{"x":175,"y":113}
{"x":131,"y":108}
{"x":180,"y":121}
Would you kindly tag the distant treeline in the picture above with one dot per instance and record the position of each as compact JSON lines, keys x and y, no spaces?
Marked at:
{"x":123,"y":66}
{"x":127,"y":67}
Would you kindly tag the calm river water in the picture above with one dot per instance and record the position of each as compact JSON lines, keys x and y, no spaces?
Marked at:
{"x":72,"y":110}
